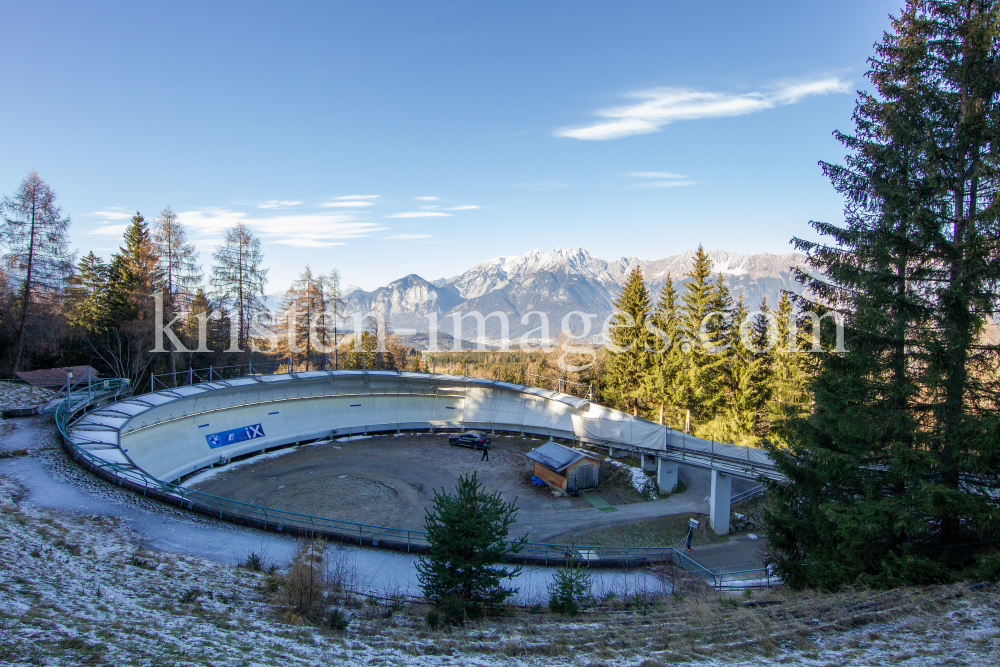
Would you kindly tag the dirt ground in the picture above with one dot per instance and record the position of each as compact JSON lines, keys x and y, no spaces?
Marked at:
{"x":384,"y":480}
{"x":390,"y":481}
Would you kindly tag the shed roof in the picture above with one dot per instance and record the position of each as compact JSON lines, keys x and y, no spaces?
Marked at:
{"x":48,"y":377}
{"x":554,"y":456}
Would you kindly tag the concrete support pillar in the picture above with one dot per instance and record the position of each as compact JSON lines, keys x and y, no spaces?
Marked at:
{"x":718,"y":503}
{"x":648,"y":463}
{"x":666,"y":475}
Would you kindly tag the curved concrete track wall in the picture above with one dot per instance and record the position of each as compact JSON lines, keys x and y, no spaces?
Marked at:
{"x":170,"y":433}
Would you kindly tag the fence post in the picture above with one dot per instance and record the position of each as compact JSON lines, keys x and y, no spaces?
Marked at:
{"x":211,"y":377}
{"x":190,"y":375}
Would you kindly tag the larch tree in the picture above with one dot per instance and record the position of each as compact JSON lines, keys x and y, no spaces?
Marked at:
{"x":238,"y":281}
{"x":179,"y":265}
{"x":302,"y":310}
{"x":629,"y":344}
{"x":37,"y":250}
{"x":890,"y":477}
{"x":332,"y":305}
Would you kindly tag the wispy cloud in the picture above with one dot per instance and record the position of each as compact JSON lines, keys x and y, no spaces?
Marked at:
{"x":274,"y":203}
{"x":108,"y":230}
{"x":656,"y":107}
{"x":654,"y":174}
{"x":660,"y":179}
{"x":408,"y":237}
{"x":353,"y":203}
{"x":113,"y":215}
{"x":308,"y":243}
{"x":666,"y":184}
{"x":310,"y":230}
{"x":420,"y":214}
{"x":360,"y":197}
{"x":426,"y":198}
{"x":470,"y":207}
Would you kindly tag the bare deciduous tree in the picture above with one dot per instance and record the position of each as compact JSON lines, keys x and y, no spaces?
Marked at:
{"x":178,"y":263}
{"x":238,"y":281}
{"x":34,"y":232}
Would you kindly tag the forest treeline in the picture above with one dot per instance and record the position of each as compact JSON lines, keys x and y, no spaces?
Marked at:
{"x":57,"y":310}
{"x":699,"y":362}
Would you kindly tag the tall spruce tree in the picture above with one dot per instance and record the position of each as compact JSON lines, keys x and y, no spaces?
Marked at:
{"x":630,"y":341}
{"x":790,"y":366}
{"x":134,"y":276}
{"x":703,"y":390}
{"x":85,"y":304}
{"x":748,"y":375}
{"x":668,"y":360}
{"x":890,"y":476}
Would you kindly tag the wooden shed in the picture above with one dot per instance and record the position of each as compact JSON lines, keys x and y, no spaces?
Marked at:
{"x":568,"y":470}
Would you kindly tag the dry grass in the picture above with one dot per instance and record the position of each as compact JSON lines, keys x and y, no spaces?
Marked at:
{"x":661,"y":531}
{"x":79,"y":590}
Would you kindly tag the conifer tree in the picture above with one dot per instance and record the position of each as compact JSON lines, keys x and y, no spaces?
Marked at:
{"x":629,"y":345}
{"x":703,"y":390}
{"x":85,"y":304}
{"x":889,"y":476}
{"x":134,"y":276}
{"x":789,"y":366}
{"x":467,"y":534}
{"x":749,"y":380}
{"x":667,"y":360}
{"x":201,"y":307}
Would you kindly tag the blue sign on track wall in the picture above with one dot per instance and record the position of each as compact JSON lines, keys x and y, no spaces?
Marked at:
{"x":224,"y":438}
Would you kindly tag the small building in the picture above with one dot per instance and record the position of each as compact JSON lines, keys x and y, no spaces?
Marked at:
{"x":565,"y":469}
{"x":54,"y":378}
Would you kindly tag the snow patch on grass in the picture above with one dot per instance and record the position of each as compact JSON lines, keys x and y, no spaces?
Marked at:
{"x":640,"y":480}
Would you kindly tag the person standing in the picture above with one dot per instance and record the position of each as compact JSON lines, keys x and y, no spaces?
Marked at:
{"x":486,"y":451}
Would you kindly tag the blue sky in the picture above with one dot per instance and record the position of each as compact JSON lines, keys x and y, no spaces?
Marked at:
{"x":387,"y":138}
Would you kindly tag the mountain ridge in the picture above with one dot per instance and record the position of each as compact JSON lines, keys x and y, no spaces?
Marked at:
{"x":558,"y":283}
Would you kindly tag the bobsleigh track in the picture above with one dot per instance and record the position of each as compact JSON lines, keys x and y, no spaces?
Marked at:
{"x":149,"y":442}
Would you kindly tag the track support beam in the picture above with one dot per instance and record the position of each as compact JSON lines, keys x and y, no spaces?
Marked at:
{"x":719,"y":502}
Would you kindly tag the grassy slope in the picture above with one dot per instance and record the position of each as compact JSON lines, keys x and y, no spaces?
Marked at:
{"x":79,"y":590}
{"x":662,"y":531}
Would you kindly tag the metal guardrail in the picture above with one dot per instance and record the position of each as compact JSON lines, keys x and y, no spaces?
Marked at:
{"x":746,"y":495}
{"x":304,"y":525}
{"x":213,"y":373}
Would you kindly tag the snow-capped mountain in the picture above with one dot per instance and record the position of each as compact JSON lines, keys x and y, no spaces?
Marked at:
{"x":557,"y":283}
